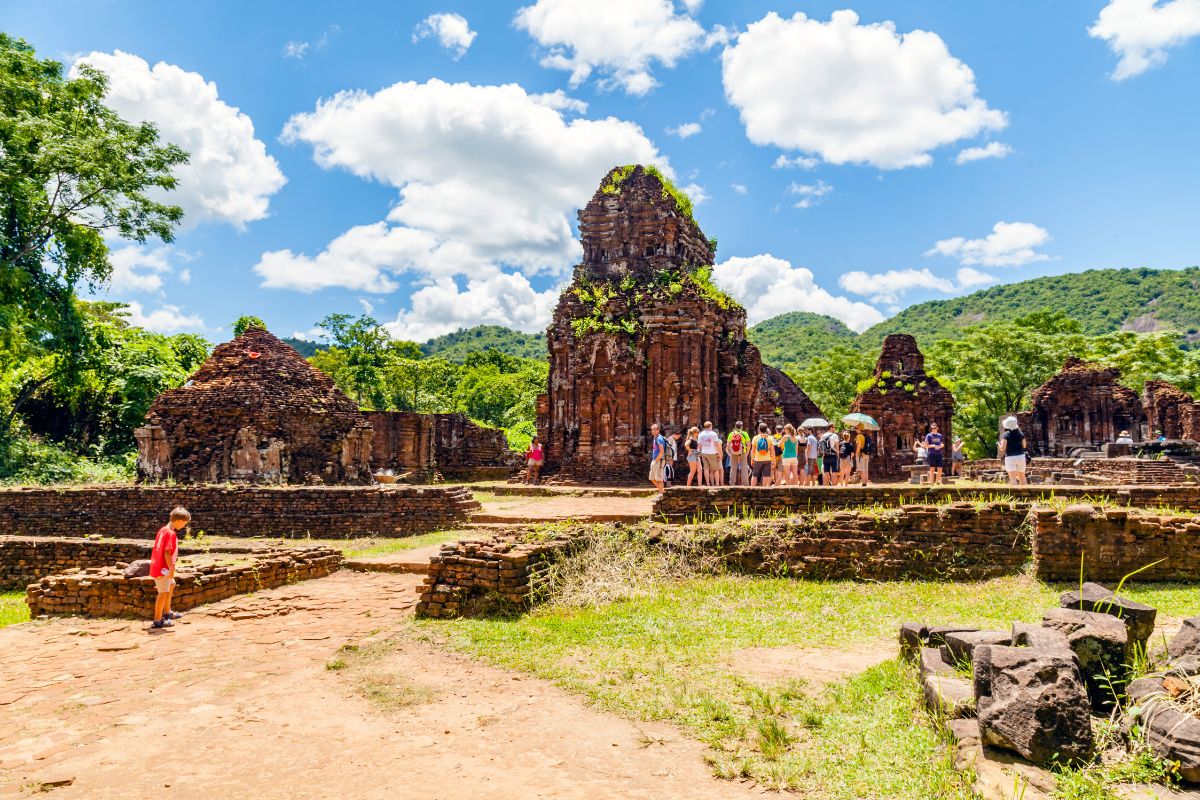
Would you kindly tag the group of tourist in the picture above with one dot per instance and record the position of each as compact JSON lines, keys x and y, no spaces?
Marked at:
{"x":784,"y":456}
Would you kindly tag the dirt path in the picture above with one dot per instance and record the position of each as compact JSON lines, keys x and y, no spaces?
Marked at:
{"x":238,"y":703}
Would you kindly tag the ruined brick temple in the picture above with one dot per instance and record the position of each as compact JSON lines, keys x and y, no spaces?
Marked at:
{"x":904,"y":400}
{"x":257,"y":412}
{"x":642,"y":336}
{"x":1171,"y":410}
{"x":1083,"y":406}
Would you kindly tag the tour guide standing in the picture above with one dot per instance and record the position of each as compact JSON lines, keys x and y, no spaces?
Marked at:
{"x":935,"y":453}
{"x":710,"y":455}
{"x":862,"y":453}
{"x":658,"y":458}
{"x":737,"y":445}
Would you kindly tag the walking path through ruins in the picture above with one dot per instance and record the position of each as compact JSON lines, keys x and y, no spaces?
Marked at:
{"x":238,"y":703}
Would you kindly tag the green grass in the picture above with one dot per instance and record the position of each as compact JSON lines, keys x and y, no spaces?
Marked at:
{"x":13,"y":608}
{"x":364,"y":548}
{"x":665,"y":655}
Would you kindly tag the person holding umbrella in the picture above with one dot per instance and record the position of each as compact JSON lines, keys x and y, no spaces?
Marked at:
{"x":864,"y":445}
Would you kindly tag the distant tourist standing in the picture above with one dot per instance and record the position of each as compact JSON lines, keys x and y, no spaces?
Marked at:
{"x":829,"y":449}
{"x":845,"y":459}
{"x":162,"y":566}
{"x":710,"y":455}
{"x":763,"y":456}
{"x":863,"y":447}
{"x":1012,"y":450}
{"x":957,"y":457}
{"x":534,"y":458}
{"x":658,"y":457}
{"x":811,"y":470}
{"x":789,"y":459}
{"x":737,"y":446}
{"x":692,"y":447}
{"x":1124,"y":438}
{"x":935,"y":453}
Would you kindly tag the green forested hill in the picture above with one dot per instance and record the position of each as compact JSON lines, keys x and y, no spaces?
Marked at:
{"x":456,"y":346}
{"x":790,"y":341}
{"x":1101,"y":300}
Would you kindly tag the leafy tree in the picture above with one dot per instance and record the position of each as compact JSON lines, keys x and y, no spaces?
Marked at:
{"x":246,"y":322}
{"x":832,"y":380}
{"x":71,"y":173}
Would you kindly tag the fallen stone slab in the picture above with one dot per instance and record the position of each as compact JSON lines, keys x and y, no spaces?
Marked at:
{"x":916,"y":635}
{"x":1187,"y":641}
{"x":1138,"y":617}
{"x":1028,"y":634}
{"x":1170,"y":732}
{"x":932,"y":663}
{"x":1034,"y":702}
{"x":959,"y":647}
{"x":1101,"y":643}
{"x":949,"y":698}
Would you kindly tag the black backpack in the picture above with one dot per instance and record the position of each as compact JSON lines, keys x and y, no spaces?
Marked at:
{"x":868,"y":445}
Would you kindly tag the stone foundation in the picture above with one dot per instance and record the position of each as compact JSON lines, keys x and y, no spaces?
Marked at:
{"x":683,"y":504}
{"x":327,"y":512}
{"x":105,"y":592}
{"x":1125,"y":471}
{"x":466,"y":573}
{"x":1113,"y":543}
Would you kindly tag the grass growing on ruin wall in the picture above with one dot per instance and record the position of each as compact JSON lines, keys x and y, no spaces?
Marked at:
{"x":12,"y":608}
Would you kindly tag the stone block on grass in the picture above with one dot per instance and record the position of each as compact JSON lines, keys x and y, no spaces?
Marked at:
{"x":1101,"y":643}
{"x":1138,"y":617}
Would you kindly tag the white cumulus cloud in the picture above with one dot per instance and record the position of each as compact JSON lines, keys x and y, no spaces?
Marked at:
{"x":768,"y":286}
{"x":229,"y":176}
{"x":685,"y":130}
{"x":166,"y":319}
{"x":1010,"y":244}
{"x":621,"y":39}
{"x":487,"y":175}
{"x":139,"y":268}
{"x":795,"y":162}
{"x":504,"y":299}
{"x":810,"y":193}
{"x":888,"y":287}
{"x":739,"y":188}
{"x":989,"y":150}
{"x":452,"y":31}
{"x":1142,"y":31}
{"x":852,"y":93}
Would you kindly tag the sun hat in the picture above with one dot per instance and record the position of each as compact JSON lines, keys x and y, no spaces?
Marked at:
{"x":1010,"y":423}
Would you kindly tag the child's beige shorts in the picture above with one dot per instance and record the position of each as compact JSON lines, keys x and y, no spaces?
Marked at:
{"x":164,"y":584}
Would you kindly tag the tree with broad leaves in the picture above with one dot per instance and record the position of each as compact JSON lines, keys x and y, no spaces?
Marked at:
{"x":72,"y":174}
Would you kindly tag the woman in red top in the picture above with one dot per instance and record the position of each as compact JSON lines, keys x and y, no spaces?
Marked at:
{"x":533,"y":461}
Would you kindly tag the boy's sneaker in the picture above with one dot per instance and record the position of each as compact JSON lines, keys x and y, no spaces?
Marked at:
{"x":174,"y":615}
{"x":158,"y":623}
{"x":166,"y":623}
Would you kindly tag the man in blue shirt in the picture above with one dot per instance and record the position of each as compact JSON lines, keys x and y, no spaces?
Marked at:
{"x":658,"y":458}
{"x":935,"y":453}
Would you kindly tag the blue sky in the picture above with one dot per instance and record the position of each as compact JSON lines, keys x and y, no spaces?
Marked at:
{"x":439,"y":188}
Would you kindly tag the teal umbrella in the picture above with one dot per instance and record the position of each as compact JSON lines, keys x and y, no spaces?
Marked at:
{"x":861,"y":419}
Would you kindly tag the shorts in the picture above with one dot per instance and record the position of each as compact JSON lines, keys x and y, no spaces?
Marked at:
{"x":1014,"y":463}
{"x":934,"y":460}
{"x":711,"y":461}
{"x":810,"y":466}
{"x":831,"y":463}
{"x":863,"y":461}
{"x":164,"y":584}
{"x":790,"y":462}
{"x":658,"y":470}
{"x":693,"y":458}
{"x":761,"y":469}
{"x":535,"y":462}
{"x":958,"y":457}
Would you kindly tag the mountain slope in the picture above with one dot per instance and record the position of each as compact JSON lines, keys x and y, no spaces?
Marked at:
{"x":790,"y":341}
{"x":1101,"y":300}
{"x":456,"y":346}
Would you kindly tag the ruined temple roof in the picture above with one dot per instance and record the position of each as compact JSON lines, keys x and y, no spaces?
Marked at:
{"x":1078,"y":375}
{"x":255,"y":372}
{"x":637,"y":221}
{"x":904,"y":365}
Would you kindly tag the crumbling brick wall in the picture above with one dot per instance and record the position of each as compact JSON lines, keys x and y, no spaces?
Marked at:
{"x":1113,"y":543}
{"x":1171,"y":410}
{"x":1082,"y":406}
{"x":105,"y":592}
{"x":326,"y":512}
{"x":904,"y":400}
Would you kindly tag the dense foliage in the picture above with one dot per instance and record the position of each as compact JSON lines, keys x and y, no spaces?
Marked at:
{"x":385,"y":374}
{"x":459,"y":345}
{"x":791,"y":341}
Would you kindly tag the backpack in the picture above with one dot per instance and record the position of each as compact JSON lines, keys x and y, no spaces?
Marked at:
{"x":735,"y":442}
{"x":672,"y":450}
{"x":847,"y":449}
{"x":825,"y":448}
{"x":868,"y":446}
{"x":762,"y":443}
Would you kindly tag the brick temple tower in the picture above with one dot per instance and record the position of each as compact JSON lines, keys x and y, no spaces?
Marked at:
{"x":642,"y":336}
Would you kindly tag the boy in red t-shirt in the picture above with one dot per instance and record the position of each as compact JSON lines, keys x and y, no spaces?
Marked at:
{"x":162,"y":566}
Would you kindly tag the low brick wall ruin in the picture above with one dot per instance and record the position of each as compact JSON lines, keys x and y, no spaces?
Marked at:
{"x":469,"y":572}
{"x":683,"y":504}
{"x":105,"y":592}
{"x":327,"y":512}
{"x":24,"y":560}
{"x":1113,"y":543}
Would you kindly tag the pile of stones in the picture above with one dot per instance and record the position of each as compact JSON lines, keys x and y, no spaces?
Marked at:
{"x":1033,"y":690}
